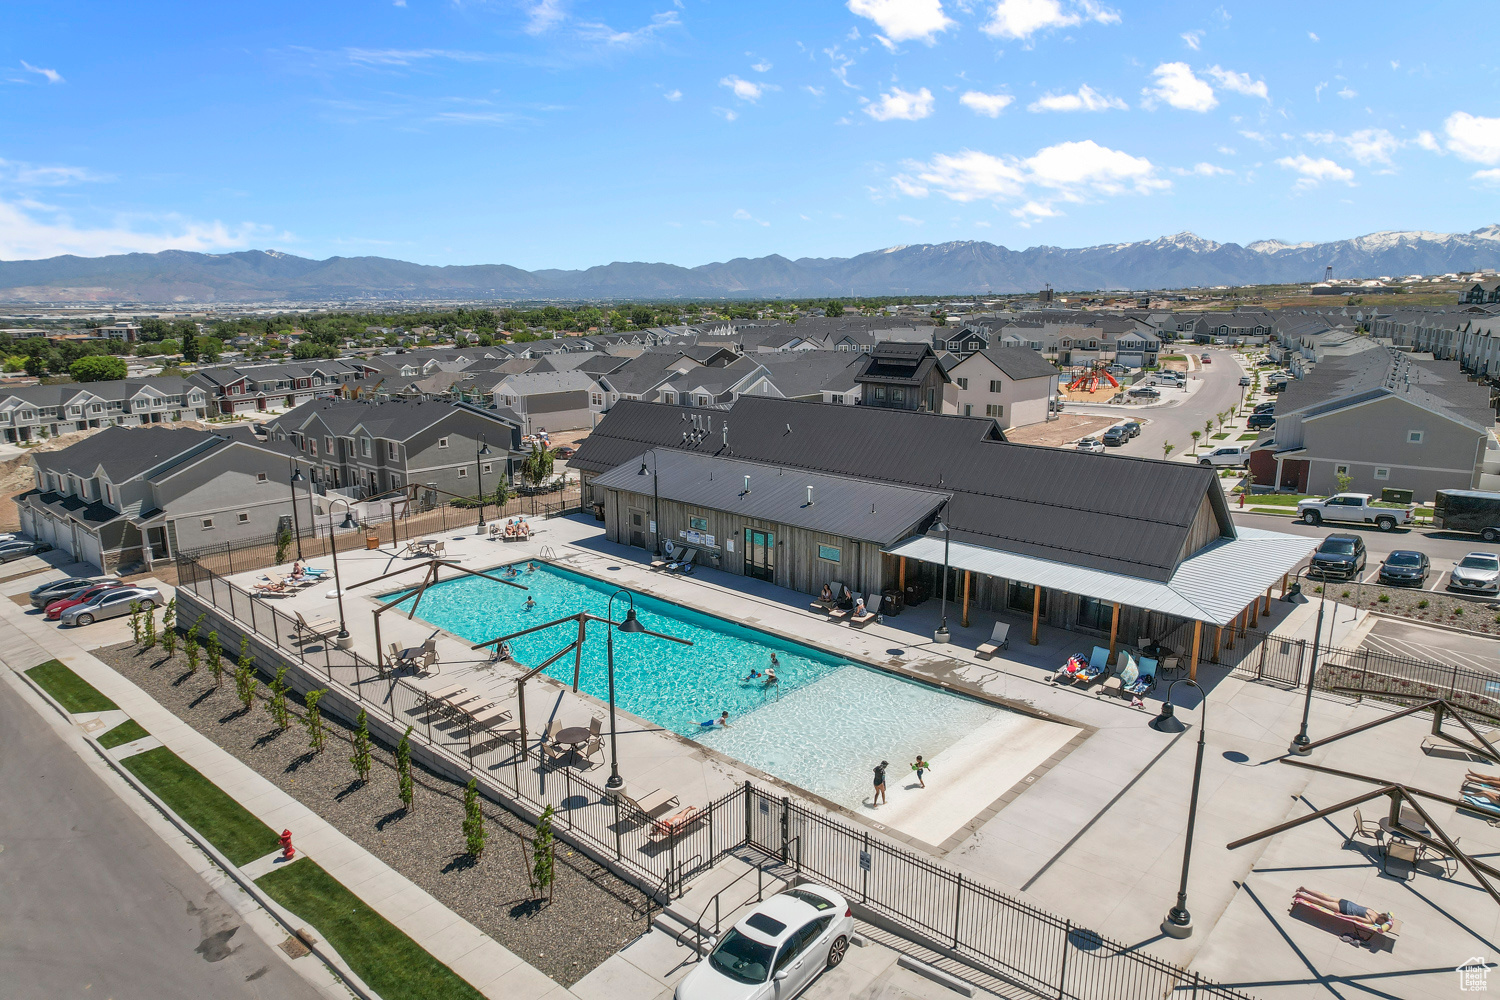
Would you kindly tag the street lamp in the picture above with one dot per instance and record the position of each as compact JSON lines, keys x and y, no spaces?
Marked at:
{"x":483,"y":452}
{"x":333,"y":543}
{"x":655,"y":501}
{"x":296,"y":527}
{"x":941,"y":635}
{"x":616,"y":784}
{"x":1179,"y":922}
{"x":1300,"y":741}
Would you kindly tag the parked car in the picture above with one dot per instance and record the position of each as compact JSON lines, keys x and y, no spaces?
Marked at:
{"x":1171,"y":378}
{"x":1476,"y":511}
{"x":1092,"y":445}
{"x":1116,"y":436}
{"x":18,"y":548}
{"x":1132,"y":428}
{"x":1117,"y":369}
{"x":1477,"y":572}
{"x":61,"y":590}
{"x":57,"y":607}
{"x":1266,"y":363}
{"x":1229,"y":456}
{"x":1244,"y":380}
{"x":111,"y":603}
{"x":1260,"y":421}
{"x":1360,"y":508}
{"x":1275,"y":387}
{"x":1144,"y":392}
{"x":1205,"y":359}
{"x":1266,"y":407}
{"x":564,"y":451}
{"x":1405,"y":567}
{"x":777,"y":950}
{"x":1340,"y":556}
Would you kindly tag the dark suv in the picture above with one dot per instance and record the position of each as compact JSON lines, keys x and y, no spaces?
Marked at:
{"x":1261,"y":421}
{"x":1340,"y":556}
{"x":1116,"y":436}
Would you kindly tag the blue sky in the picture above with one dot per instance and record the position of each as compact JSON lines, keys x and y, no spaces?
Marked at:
{"x":568,"y":133}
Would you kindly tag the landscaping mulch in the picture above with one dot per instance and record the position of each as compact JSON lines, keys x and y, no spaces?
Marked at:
{"x":591,"y":915}
{"x":1432,"y":607}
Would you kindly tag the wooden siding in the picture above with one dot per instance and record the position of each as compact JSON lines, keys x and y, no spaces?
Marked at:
{"x":1205,"y":529}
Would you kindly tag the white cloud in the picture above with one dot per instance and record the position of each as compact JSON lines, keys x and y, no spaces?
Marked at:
{"x":745,"y":216}
{"x":1070,"y":172}
{"x":1367,"y":145}
{"x":901,"y":104}
{"x":745,"y":90}
{"x":727,"y":114}
{"x":1348,"y":93}
{"x":815,"y":91}
{"x":904,"y":20}
{"x":603,"y":34}
{"x":542,"y":15}
{"x":1313,"y":37}
{"x":911,"y":221}
{"x":25,"y":235}
{"x":1488,"y":176}
{"x":1176,"y":84}
{"x":989,"y":105}
{"x":1314,"y":171}
{"x":1201,"y":170}
{"x":35,"y":175}
{"x":763,"y":66}
{"x":841,"y":64}
{"x":1240,"y":83}
{"x":52,"y":75}
{"x":673,"y":95}
{"x":1426,"y":140}
{"x":1086,"y":99}
{"x":1193,"y":39}
{"x":407,"y":57}
{"x":1473,"y":138}
{"x":1020,"y":19}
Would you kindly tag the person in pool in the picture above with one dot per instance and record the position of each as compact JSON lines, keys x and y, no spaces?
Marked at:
{"x":880,"y":783}
{"x":771,"y":678}
{"x":510,"y":573}
{"x":531,"y":567}
{"x":752,"y":675}
{"x":920,"y":766}
{"x":530,"y":602}
{"x":722,"y":721}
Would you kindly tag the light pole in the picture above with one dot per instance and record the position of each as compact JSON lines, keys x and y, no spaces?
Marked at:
{"x":483,"y":452}
{"x":333,"y":543}
{"x":296,"y":527}
{"x":655,"y":502}
{"x":1300,"y":741}
{"x":1179,"y":922}
{"x":941,"y":635}
{"x":616,"y":784}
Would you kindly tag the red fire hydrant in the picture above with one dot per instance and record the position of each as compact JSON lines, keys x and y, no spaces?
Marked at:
{"x":1242,"y":499}
{"x":287,"y":850}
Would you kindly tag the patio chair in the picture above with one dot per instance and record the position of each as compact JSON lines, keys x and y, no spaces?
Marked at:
{"x":669,"y":826}
{"x":428,"y":662}
{"x":596,"y":726}
{"x":1364,"y":828}
{"x":872,"y":611}
{"x":1135,"y":677}
{"x":840,"y":614}
{"x":552,"y":752}
{"x":553,"y":728}
{"x":495,"y":529}
{"x":999,"y":639}
{"x":440,"y":549}
{"x":1098,"y":667}
{"x":685,"y":564}
{"x":653,"y":803}
{"x":592,"y":747}
{"x":394,"y":656}
{"x":318,"y":628}
{"x":835,"y":588}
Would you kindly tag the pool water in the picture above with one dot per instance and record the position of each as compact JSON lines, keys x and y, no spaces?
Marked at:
{"x":823,"y":727}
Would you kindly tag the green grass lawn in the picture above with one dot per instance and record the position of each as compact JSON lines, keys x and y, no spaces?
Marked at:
{"x":126,"y":732}
{"x":386,"y":959}
{"x":1221,"y":435}
{"x":1277,"y":499}
{"x":1248,"y":437}
{"x":224,"y":822}
{"x":71,"y":691}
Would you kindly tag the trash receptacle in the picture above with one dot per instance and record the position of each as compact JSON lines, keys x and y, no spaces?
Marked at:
{"x":372,"y":541}
{"x":894,"y":601}
{"x":1395,"y":496}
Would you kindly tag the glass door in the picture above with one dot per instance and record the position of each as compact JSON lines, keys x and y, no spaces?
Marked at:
{"x":760,"y":554}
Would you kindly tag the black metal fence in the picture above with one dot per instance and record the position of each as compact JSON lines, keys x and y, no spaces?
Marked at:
{"x":1010,"y":939}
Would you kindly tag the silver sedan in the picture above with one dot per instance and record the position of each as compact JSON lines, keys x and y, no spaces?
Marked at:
{"x":112,"y":604}
{"x":1477,"y":572}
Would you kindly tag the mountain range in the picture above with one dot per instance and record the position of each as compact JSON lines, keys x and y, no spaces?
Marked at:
{"x":965,"y":267}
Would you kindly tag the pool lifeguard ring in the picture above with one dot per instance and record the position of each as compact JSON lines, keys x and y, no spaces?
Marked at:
{"x":668,"y":547}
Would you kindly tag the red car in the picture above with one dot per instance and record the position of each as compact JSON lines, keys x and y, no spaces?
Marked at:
{"x":56,"y":608}
{"x":565,"y":452}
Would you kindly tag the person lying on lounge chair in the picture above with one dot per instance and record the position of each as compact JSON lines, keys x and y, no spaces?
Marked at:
{"x":298,"y":570}
{"x":1475,"y":778}
{"x":826,"y":597}
{"x":1344,"y":908}
{"x":1068,"y":672}
{"x":1481,"y":792}
{"x":846,"y":600}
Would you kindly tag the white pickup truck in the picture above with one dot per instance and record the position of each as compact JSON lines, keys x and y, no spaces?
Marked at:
{"x":1229,"y":456}
{"x":1357,"y":507}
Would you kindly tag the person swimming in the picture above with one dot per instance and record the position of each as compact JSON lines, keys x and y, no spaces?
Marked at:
{"x":752,"y":675}
{"x":531,"y":567}
{"x":721,"y":721}
{"x":530,"y":602}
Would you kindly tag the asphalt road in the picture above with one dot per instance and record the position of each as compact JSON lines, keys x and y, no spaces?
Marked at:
{"x":1422,"y":642}
{"x":94,"y":904}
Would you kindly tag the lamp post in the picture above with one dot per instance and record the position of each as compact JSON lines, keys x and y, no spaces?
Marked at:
{"x":1179,"y":922}
{"x":343,"y":639}
{"x":941,"y":635}
{"x":615,"y":786}
{"x":294,"y":480}
{"x":1300,"y":741}
{"x":655,"y":502}
{"x":483,"y":452}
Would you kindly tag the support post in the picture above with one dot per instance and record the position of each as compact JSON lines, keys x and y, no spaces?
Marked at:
{"x":1218,"y":636}
{"x":578,"y":653}
{"x":1234,"y":628}
{"x":1284,"y":577}
{"x":1036,"y":612}
{"x":1254,"y":613}
{"x":966,"y":599}
{"x":1266,"y":605}
{"x":1114,"y":631}
{"x":900,"y":575}
{"x":1197,"y":639}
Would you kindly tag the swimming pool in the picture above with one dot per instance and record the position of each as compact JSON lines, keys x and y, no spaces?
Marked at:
{"x":822,"y":727}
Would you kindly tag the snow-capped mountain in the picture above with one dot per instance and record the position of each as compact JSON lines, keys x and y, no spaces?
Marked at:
{"x":960,"y":267}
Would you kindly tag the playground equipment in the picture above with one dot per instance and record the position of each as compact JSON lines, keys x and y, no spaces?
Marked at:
{"x":1088,"y":380}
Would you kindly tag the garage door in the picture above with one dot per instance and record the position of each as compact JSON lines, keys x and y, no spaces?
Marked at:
{"x":89,"y":550}
{"x":63,"y":533}
{"x":47,"y":530}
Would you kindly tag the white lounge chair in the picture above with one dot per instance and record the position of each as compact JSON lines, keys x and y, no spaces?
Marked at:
{"x":842,"y":613}
{"x":653,"y":803}
{"x":318,"y":628}
{"x":834,"y":587}
{"x":685,"y":564}
{"x":872,"y":611}
{"x":999,"y":639}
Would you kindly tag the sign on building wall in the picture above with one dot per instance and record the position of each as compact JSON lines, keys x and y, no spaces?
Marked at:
{"x":698,"y":538}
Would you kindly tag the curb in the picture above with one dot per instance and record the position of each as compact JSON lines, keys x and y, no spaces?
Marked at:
{"x":1437,"y":625}
{"x":282,"y":916}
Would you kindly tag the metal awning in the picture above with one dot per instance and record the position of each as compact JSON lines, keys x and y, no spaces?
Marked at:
{"x":1212,"y":586}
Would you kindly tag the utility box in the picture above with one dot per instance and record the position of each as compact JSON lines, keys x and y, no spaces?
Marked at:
{"x":1395,"y":496}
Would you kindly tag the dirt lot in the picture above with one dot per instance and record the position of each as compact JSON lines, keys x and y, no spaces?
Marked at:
{"x":1064,"y":430}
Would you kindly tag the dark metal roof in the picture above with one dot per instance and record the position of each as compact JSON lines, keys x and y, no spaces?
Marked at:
{"x":1115,"y":513}
{"x":89,"y":514}
{"x":1020,"y":362}
{"x":125,"y":452}
{"x":841,"y":505}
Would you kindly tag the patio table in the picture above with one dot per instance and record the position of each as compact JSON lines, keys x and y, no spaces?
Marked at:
{"x":575,"y":736}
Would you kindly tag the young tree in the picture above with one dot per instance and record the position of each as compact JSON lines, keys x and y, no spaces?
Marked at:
{"x":244,"y":680}
{"x":361,"y":758}
{"x":169,"y":627}
{"x":136,"y":628}
{"x":276,"y":706}
{"x":215,"y":659}
{"x":542,"y":870}
{"x":403,"y":770}
{"x":190,"y":647}
{"x":537,"y":466}
{"x":1195,"y":435}
{"x":1166,"y":449}
{"x":1208,"y":426}
{"x":1343,"y":481}
{"x":316,"y":736}
{"x":283,"y":543}
{"x":148,"y":630}
{"x":474,"y":832}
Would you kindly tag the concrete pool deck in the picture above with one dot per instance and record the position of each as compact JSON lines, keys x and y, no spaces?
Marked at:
{"x":1095,"y":833}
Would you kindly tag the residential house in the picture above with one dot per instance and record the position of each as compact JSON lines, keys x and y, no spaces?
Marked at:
{"x":258,"y":388}
{"x":1480,"y":293}
{"x":29,"y":413}
{"x":551,"y":401}
{"x":905,"y":376}
{"x":1015,"y":386}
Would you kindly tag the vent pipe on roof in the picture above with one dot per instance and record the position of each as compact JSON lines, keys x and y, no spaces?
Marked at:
{"x":809,"y":496}
{"x":747,"y":486}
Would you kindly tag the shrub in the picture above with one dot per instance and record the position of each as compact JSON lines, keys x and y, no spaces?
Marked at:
{"x":1384,"y":598}
{"x":1458,"y":609}
{"x":316,"y":735}
{"x":190,"y":647}
{"x":276,"y":706}
{"x":244,"y":682}
{"x":542,"y":872}
{"x":136,"y":630}
{"x":1422,"y":603}
{"x":169,"y":627}
{"x":148,"y":633}
{"x":283,"y":543}
{"x":474,"y":832}
{"x":361,"y":758}
{"x":1344,"y":594}
{"x":215,"y":659}
{"x":403,"y":768}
